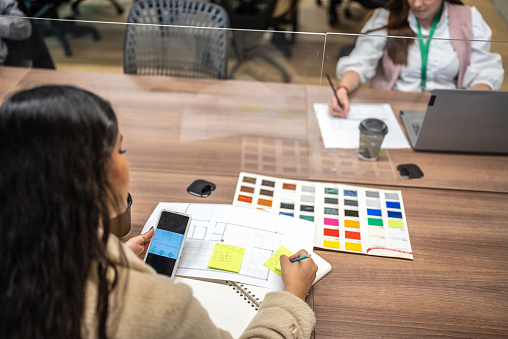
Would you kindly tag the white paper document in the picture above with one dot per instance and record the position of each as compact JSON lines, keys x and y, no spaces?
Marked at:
{"x":260,"y":233}
{"x":344,"y":132}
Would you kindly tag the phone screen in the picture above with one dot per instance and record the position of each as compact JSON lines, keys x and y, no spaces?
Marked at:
{"x":167,"y":241}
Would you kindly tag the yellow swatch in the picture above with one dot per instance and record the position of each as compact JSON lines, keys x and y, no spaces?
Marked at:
{"x":352,"y":246}
{"x":331,"y":243}
{"x":226,"y":258}
{"x":273,"y":263}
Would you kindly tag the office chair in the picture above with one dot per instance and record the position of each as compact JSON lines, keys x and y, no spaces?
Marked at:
{"x":49,"y":9}
{"x":333,"y":17}
{"x":256,"y":15}
{"x":154,"y":46}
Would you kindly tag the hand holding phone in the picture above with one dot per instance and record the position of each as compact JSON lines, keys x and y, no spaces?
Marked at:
{"x":167,"y":243}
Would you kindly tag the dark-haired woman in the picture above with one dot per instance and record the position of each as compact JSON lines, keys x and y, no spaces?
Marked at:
{"x":420,"y":64}
{"x":63,"y":274}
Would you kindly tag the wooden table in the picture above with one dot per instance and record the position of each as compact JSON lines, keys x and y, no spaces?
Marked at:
{"x":179,"y":130}
{"x":477,"y":172}
{"x":457,"y":284}
{"x":224,"y":127}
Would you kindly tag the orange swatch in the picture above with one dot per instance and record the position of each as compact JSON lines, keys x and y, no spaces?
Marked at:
{"x":353,"y":235}
{"x":289,"y":187}
{"x":265,"y":202}
{"x":352,"y":223}
{"x":245,"y":199}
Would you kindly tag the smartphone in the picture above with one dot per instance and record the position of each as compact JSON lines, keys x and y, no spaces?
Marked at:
{"x":167,"y":242}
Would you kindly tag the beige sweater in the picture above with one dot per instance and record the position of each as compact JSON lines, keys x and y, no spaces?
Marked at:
{"x":147,"y":305}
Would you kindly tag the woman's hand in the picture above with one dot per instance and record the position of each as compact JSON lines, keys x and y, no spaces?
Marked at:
{"x":298,"y":276}
{"x":139,"y":244}
{"x":333,"y":106}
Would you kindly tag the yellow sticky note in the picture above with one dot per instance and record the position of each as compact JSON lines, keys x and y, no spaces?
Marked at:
{"x":273,"y":263}
{"x":226,"y":258}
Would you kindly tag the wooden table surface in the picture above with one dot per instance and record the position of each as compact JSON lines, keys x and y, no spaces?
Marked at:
{"x":179,"y":130}
{"x":456,"y":286}
{"x":175,"y":125}
{"x":477,"y":172}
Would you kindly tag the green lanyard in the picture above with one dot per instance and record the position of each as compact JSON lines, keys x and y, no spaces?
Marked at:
{"x":424,"y":46}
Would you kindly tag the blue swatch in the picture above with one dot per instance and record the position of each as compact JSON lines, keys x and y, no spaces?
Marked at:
{"x":393,"y":214}
{"x":349,"y":193}
{"x":374,"y":212}
{"x":286,"y":213}
{"x":393,"y":204}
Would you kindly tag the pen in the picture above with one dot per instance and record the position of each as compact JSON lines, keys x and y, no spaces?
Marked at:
{"x":302,"y":257}
{"x":334,"y":92}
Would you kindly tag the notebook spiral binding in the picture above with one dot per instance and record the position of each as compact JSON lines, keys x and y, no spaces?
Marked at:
{"x":245,"y":293}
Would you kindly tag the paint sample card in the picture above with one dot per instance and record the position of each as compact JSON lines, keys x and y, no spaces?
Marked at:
{"x":346,"y":218}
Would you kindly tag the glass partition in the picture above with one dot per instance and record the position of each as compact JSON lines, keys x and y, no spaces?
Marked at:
{"x":188,"y":115}
{"x":252,"y":119}
{"x":251,"y":55}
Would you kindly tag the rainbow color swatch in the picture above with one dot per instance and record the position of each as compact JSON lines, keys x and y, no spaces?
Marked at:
{"x":347,"y":218}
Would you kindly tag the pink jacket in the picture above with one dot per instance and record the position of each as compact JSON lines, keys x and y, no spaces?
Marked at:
{"x":461,"y":28}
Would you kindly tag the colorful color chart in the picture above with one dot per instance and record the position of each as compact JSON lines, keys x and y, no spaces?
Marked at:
{"x":347,"y":218}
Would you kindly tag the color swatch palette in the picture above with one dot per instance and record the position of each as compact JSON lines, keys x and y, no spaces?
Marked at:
{"x":347,"y":218}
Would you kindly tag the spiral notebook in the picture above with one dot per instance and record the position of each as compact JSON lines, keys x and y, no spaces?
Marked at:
{"x":232,"y":305}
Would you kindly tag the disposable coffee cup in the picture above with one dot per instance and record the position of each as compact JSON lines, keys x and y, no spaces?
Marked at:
{"x":121,"y":224}
{"x":372,"y":134}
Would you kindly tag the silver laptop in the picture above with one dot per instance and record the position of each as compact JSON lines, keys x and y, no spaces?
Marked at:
{"x":460,"y":121}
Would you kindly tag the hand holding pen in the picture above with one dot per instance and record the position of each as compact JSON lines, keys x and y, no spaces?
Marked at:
{"x":339,"y":104}
{"x":298,"y":275}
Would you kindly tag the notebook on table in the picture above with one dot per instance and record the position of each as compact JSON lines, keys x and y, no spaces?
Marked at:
{"x":232,"y":305}
{"x":460,"y":121}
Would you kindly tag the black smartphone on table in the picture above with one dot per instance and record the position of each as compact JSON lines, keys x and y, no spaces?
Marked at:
{"x":167,"y":243}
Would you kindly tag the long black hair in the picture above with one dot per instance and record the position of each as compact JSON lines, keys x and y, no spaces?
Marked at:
{"x":55,"y":146}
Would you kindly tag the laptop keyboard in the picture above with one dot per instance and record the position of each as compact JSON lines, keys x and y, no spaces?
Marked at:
{"x":416,"y":128}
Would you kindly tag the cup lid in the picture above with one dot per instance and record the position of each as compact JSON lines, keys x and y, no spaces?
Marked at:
{"x":373,"y":127}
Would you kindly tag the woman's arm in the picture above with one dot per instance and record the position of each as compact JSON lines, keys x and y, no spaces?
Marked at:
{"x":360,"y":66}
{"x":485,"y":70}
{"x":349,"y":82}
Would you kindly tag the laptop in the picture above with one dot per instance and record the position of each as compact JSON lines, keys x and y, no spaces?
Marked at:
{"x":460,"y":121}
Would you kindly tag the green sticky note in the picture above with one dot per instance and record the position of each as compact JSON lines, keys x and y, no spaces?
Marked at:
{"x":226,"y":258}
{"x":273,"y":263}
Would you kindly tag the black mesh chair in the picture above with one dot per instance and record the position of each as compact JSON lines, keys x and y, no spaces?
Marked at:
{"x":255,"y":15}
{"x":155,"y":46}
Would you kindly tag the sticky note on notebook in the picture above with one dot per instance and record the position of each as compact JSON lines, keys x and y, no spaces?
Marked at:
{"x":273,"y":263}
{"x":226,"y":258}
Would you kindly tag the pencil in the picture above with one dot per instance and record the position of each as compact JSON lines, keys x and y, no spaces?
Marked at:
{"x":334,"y":92}
{"x":302,"y":257}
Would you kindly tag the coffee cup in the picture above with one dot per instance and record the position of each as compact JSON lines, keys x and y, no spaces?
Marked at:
{"x":372,"y":133}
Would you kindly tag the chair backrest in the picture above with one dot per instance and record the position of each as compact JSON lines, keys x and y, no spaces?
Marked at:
{"x":159,"y":44}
